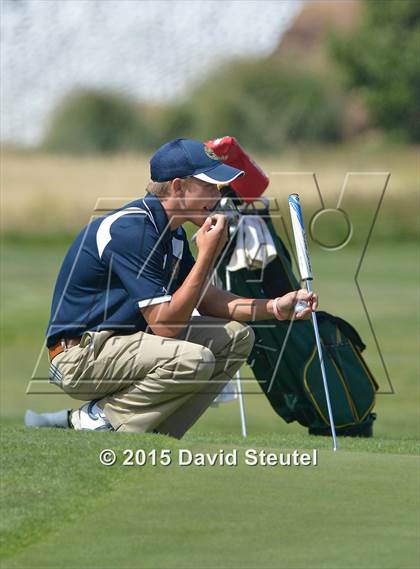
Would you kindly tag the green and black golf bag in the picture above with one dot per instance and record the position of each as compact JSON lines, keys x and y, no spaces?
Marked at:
{"x":293,"y":382}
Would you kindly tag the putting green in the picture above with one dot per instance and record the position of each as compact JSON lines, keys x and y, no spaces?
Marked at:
{"x":355,"y":509}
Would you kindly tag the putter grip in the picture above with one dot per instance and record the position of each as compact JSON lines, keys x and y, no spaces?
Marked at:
{"x":300,"y":237}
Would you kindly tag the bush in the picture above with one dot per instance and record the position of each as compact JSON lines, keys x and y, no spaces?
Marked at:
{"x":172,"y":121}
{"x":92,"y":122}
{"x":264,"y":104}
{"x":381,"y":60}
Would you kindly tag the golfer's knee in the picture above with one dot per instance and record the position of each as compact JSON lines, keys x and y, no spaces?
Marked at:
{"x":243,"y":337}
{"x":200,"y":363}
{"x":248,"y":339}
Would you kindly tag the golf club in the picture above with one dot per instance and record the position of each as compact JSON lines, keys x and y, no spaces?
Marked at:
{"x":305,"y":270}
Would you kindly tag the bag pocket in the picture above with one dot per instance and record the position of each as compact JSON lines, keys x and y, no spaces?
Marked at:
{"x":351,"y":385}
{"x":341,"y":401}
{"x":360,"y":382}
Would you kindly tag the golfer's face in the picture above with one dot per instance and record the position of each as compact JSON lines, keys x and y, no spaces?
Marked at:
{"x":199,"y":199}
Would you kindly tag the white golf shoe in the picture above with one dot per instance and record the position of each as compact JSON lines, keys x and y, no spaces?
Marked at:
{"x":89,"y":418}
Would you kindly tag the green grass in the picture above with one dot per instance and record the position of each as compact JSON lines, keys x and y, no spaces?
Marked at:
{"x":64,"y":507}
{"x":357,"y":508}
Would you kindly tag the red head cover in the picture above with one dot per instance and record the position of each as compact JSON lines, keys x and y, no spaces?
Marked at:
{"x":253,"y":184}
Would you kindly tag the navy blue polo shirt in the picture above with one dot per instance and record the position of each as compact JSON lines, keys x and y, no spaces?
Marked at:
{"x":118,"y":264}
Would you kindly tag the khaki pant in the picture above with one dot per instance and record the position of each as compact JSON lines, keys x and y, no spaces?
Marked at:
{"x":149,"y":383}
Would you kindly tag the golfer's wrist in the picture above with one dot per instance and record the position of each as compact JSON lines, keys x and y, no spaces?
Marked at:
{"x":270,"y":308}
{"x":205,"y":257}
{"x":274,"y":309}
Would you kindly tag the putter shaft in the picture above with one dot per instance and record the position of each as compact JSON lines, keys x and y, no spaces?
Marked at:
{"x":324,"y":375}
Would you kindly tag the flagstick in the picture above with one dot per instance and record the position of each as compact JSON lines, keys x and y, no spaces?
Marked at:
{"x":238,"y":377}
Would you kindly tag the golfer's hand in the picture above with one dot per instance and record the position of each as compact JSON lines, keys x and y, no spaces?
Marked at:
{"x":212,"y":235}
{"x":286,"y":305}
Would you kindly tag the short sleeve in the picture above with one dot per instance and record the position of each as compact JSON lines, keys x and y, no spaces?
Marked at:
{"x":137,"y":257}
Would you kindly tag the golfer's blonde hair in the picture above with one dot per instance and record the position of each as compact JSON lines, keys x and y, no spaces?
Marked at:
{"x":160,"y":189}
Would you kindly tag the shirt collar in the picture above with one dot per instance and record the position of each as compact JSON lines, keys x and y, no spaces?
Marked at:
{"x":154,"y":205}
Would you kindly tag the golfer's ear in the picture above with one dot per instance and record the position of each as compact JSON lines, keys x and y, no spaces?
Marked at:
{"x":177,"y":187}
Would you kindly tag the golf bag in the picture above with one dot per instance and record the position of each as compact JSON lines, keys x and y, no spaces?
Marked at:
{"x":293,"y":382}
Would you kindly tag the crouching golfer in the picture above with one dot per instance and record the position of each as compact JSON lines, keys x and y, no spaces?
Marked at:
{"x":121,"y":334}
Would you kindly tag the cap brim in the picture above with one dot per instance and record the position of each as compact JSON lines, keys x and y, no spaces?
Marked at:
{"x":220,"y":174}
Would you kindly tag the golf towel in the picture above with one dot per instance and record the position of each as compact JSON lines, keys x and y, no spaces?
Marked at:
{"x":254,"y":245}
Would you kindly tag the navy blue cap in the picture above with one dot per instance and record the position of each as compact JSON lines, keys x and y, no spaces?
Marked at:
{"x":182,"y":157}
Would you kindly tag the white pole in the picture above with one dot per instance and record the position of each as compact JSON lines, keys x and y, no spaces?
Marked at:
{"x":238,"y":376}
{"x":241,"y":403}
